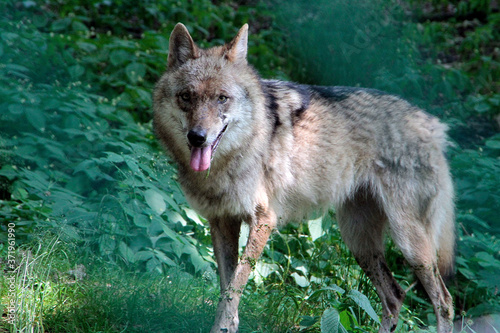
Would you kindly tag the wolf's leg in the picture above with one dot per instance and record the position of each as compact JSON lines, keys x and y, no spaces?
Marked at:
{"x":414,"y":241}
{"x":361,"y":224}
{"x":261,"y":226}
{"x":225,"y":233}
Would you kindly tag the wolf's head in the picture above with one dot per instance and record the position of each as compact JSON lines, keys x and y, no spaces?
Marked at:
{"x":202,"y":102}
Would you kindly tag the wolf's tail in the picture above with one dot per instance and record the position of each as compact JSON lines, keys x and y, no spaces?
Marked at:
{"x":446,"y":252}
{"x":445,"y":233}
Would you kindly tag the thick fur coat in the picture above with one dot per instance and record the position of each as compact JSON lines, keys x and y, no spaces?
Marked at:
{"x":266,"y":152}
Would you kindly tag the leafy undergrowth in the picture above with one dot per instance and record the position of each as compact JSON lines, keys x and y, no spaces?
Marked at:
{"x":55,"y":295}
{"x":104,"y":239}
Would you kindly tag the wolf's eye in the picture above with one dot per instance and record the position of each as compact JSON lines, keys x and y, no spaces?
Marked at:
{"x":185,"y":97}
{"x":222,"y":99}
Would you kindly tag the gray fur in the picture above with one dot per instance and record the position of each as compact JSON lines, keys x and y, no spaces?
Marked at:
{"x":290,"y":150}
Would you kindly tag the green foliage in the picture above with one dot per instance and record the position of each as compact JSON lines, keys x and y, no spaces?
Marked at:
{"x":314,"y":272}
{"x":342,"y":35}
{"x":54,"y":295}
{"x":76,"y":83}
{"x":77,"y":154}
{"x":78,"y":159}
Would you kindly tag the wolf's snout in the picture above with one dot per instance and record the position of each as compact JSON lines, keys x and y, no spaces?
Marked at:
{"x":197,"y":137}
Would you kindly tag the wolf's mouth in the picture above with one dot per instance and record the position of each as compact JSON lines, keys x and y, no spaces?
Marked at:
{"x":201,"y":157}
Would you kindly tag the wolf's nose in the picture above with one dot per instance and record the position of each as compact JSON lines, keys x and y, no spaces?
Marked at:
{"x":197,"y":137}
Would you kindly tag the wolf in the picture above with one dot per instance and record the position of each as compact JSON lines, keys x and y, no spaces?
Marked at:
{"x":264,"y":152}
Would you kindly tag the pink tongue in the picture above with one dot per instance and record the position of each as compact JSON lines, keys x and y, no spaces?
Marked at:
{"x":200,"y":158}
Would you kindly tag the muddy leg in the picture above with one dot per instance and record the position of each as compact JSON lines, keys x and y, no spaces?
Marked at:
{"x":390,"y":292}
{"x":421,"y":255}
{"x":226,"y":319}
{"x":361,"y":224}
{"x":225,"y":234}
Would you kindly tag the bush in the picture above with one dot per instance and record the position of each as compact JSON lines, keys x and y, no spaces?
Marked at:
{"x":79,"y":161}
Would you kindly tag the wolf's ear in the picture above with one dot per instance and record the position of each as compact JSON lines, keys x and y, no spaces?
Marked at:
{"x":237,"y":49}
{"x":181,"y":47}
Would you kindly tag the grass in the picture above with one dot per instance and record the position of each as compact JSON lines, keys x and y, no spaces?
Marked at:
{"x":54,"y":295}
{"x":58,"y":292}
{"x":79,"y":74}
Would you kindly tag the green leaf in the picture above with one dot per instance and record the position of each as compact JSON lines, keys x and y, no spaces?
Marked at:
{"x":265,"y":269}
{"x":61,"y":24}
{"x":166,"y":245}
{"x":16,"y":109}
{"x":315,"y":295}
{"x":135,"y":71}
{"x":482,"y":107}
{"x":315,"y":228}
{"x":155,"y":201}
{"x":17,"y":70}
{"x":330,"y":321}
{"x":142,"y":221}
{"x":169,"y":232}
{"x":173,"y":204}
{"x":106,"y":244}
{"x":40,"y":20}
{"x":144,"y":96}
{"x":9,"y":36}
{"x":113,"y":157}
{"x":126,"y":252}
{"x":71,"y":232}
{"x":363,"y":302}
{"x":308,"y":321}
{"x":335,"y":288}
{"x":87,"y":47}
{"x":300,"y":280}
{"x":9,"y":172}
{"x":156,"y":227}
{"x":57,"y":152}
{"x":36,"y":118}
{"x":489,"y":277}
{"x":162,"y":257}
{"x":193,"y":216}
{"x":161,"y":43}
{"x":495,"y":100}
{"x":79,"y":26}
{"x":76,"y":71}
{"x":143,"y":255}
{"x":196,"y":259}
{"x":119,"y":57}
{"x":487,"y":260}
{"x":105,"y":109}
{"x":19,"y":193}
{"x":493,"y":142}
{"x":153,"y":264}
{"x":140,"y":242}
{"x":175,"y":217}
{"x":133,"y":166}
{"x":345,"y":320}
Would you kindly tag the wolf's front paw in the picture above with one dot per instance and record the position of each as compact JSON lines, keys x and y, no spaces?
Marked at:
{"x":223,"y":330}
{"x":227,"y":327}
{"x":226,"y":319}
